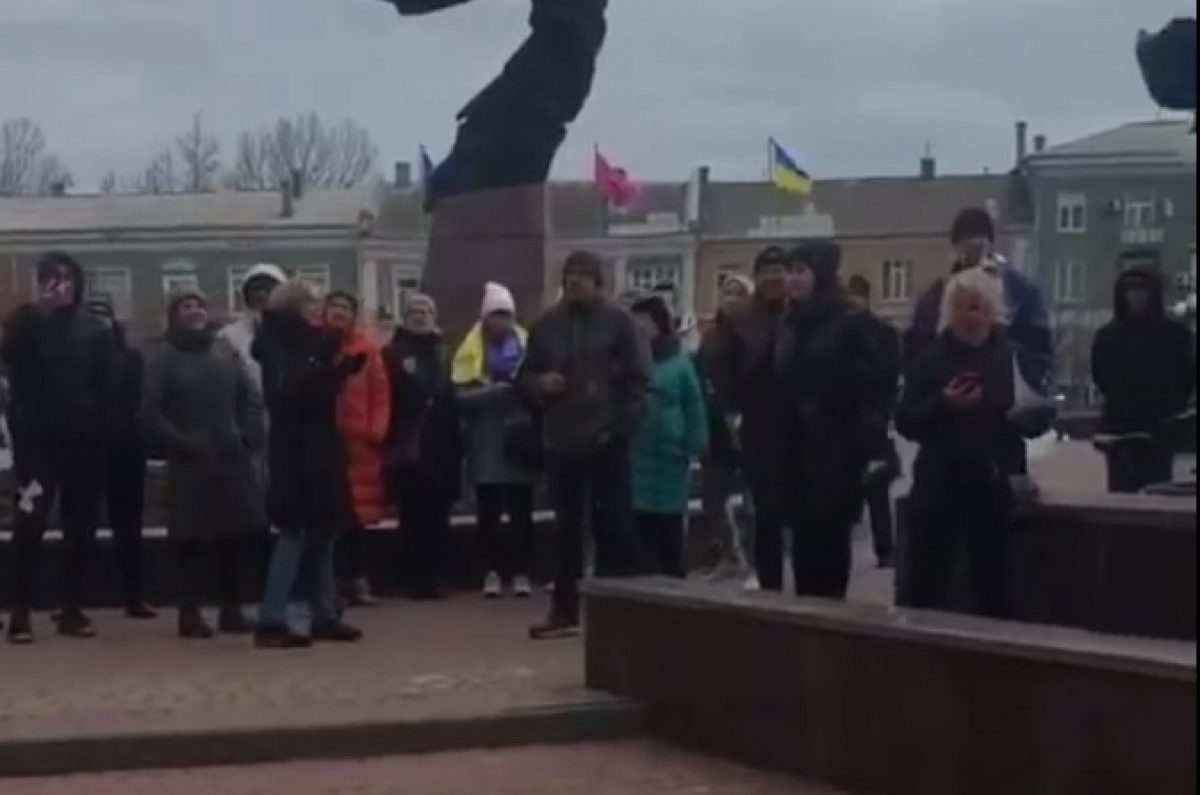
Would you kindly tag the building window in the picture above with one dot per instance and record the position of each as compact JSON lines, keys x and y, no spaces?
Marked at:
{"x":116,"y":284}
{"x":897,"y":280}
{"x":235,"y":280}
{"x":1070,"y":283}
{"x":1140,"y":212}
{"x":316,"y":277}
{"x":1072,"y":213}
{"x":404,"y":283}
{"x":727,"y":272}
{"x":654,"y":275}
{"x":173,"y":282}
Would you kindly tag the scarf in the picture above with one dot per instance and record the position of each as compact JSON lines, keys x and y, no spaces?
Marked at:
{"x":480,"y":360}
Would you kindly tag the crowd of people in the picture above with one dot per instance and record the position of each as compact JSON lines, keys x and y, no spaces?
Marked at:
{"x":293,"y":419}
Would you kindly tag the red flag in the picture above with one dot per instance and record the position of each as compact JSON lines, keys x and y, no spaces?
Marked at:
{"x":613,"y":183}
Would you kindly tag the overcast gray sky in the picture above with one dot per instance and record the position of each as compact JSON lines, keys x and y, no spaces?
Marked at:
{"x":851,"y":87}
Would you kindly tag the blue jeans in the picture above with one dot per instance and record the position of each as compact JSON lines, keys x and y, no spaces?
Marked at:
{"x":281,"y":579}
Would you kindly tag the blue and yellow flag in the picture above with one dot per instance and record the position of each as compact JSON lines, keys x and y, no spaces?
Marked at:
{"x":785,"y":174}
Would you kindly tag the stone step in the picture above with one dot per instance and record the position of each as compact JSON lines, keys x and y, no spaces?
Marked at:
{"x":593,"y":717}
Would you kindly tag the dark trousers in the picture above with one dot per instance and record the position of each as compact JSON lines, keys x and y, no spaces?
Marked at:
{"x":947,"y":520}
{"x":125,"y":500}
{"x":769,"y":522}
{"x":424,"y":524}
{"x":509,"y":554}
{"x":821,"y":557}
{"x":75,"y":479}
{"x":879,"y":513}
{"x":599,"y":487}
{"x":1135,"y":464}
{"x":349,"y":562}
{"x":223,"y":555}
{"x":660,"y":537}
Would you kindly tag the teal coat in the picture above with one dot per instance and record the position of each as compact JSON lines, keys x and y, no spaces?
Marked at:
{"x":673,"y":432}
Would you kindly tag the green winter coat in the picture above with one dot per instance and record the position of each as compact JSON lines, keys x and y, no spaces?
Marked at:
{"x":673,"y":432}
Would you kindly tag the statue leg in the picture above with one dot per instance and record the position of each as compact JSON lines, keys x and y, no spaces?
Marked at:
{"x":510,"y":132}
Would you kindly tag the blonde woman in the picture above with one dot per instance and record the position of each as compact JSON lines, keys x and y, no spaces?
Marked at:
{"x":957,"y":398}
{"x":308,"y":496}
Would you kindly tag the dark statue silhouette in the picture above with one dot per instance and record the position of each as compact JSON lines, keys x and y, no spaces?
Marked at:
{"x":509,"y":133}
{"x":1168,"y":63}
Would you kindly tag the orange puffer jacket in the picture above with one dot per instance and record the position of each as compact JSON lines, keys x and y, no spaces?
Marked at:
{"x":363,"y":412}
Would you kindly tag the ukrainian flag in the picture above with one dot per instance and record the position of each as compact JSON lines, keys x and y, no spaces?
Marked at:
{"x":785,"y":174}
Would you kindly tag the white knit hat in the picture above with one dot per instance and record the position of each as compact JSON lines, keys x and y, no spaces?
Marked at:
{"x":497,"y":298}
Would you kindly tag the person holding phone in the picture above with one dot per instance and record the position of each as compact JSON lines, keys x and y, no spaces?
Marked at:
{"x":60,"y":359}
{"x":973,"y":236}
{"x":956,"y":403}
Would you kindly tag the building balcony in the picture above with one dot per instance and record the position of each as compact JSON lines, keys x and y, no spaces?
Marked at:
{"x":1142,"y":236}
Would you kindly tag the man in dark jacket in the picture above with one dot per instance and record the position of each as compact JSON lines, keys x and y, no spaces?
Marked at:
{"x":60,"y":359}
{"x":831,"y":368}
{"x":1144,"y":364}
{"x":973,"y":235}
{"x":747,"y":386}
{"x":883,"y":468}
{"x":126,"y":482}
{"x":588,"y":367}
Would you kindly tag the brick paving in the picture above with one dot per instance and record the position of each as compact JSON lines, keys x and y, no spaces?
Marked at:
{"x":450,"y":659}
{"x":633,"y":768}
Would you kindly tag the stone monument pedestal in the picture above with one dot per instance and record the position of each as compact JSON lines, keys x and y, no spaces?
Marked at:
{"x":496,"y":235}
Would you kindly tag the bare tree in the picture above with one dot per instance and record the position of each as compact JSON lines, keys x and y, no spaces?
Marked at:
{"x":110,"y":182}
{"x":158,"y":176}
{"x":341,"y":156}
{"x":199,"y":158}
{"x":26,"y":168}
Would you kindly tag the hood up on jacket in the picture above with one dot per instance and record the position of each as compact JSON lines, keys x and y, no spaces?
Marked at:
{"x":1144,"y":276}
{"x":50,"y":264}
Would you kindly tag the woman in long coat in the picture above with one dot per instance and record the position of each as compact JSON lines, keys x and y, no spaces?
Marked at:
{"x":308,"y":496}
{"x":202,"y":408}
{"x":364,"y":408}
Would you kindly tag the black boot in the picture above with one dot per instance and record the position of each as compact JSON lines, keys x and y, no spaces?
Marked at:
{"x":20,"y":628}
{"x":137,"y":609}
{"x":269,"y":637}
{"x":192,"y":625}
{"x":74,"y":624}
{"x":336,"y":632}
{"x":232,"y":621}
{"x":557,"y":626}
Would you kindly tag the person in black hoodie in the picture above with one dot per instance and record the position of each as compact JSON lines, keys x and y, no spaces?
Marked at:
{"x":308,"y":496}
{"x":746,"y":385}
{"x":126,"y":483}
{"x":883,"y":468}
{"x":423,"y":456}
{"x":833,"y":372}
{"x":60,"y":359}
{"x":957,"y":396}
{"x":1144,"y":364}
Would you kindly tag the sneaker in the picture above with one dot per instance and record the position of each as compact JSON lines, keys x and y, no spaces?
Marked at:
{"x":192,"y":626}
{"x":335,"y":632}
{"x":20,"y":629}
{"x":555,"y":628}
{"x":232,"y":621}
{"x":74,"y":624}
{"x":522,"y":587}
{"x":358,"y":594}
{"x":752,"y":583}
{"x":280,"y":638}
{"x":140,"y":611}
{"x":493,"y":588}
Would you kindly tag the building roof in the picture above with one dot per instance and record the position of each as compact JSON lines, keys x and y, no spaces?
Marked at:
{"x":1161,"y":142}
{"x":877,"y":206}
{"x":576,"y":211}
{"x":221,"y":210}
